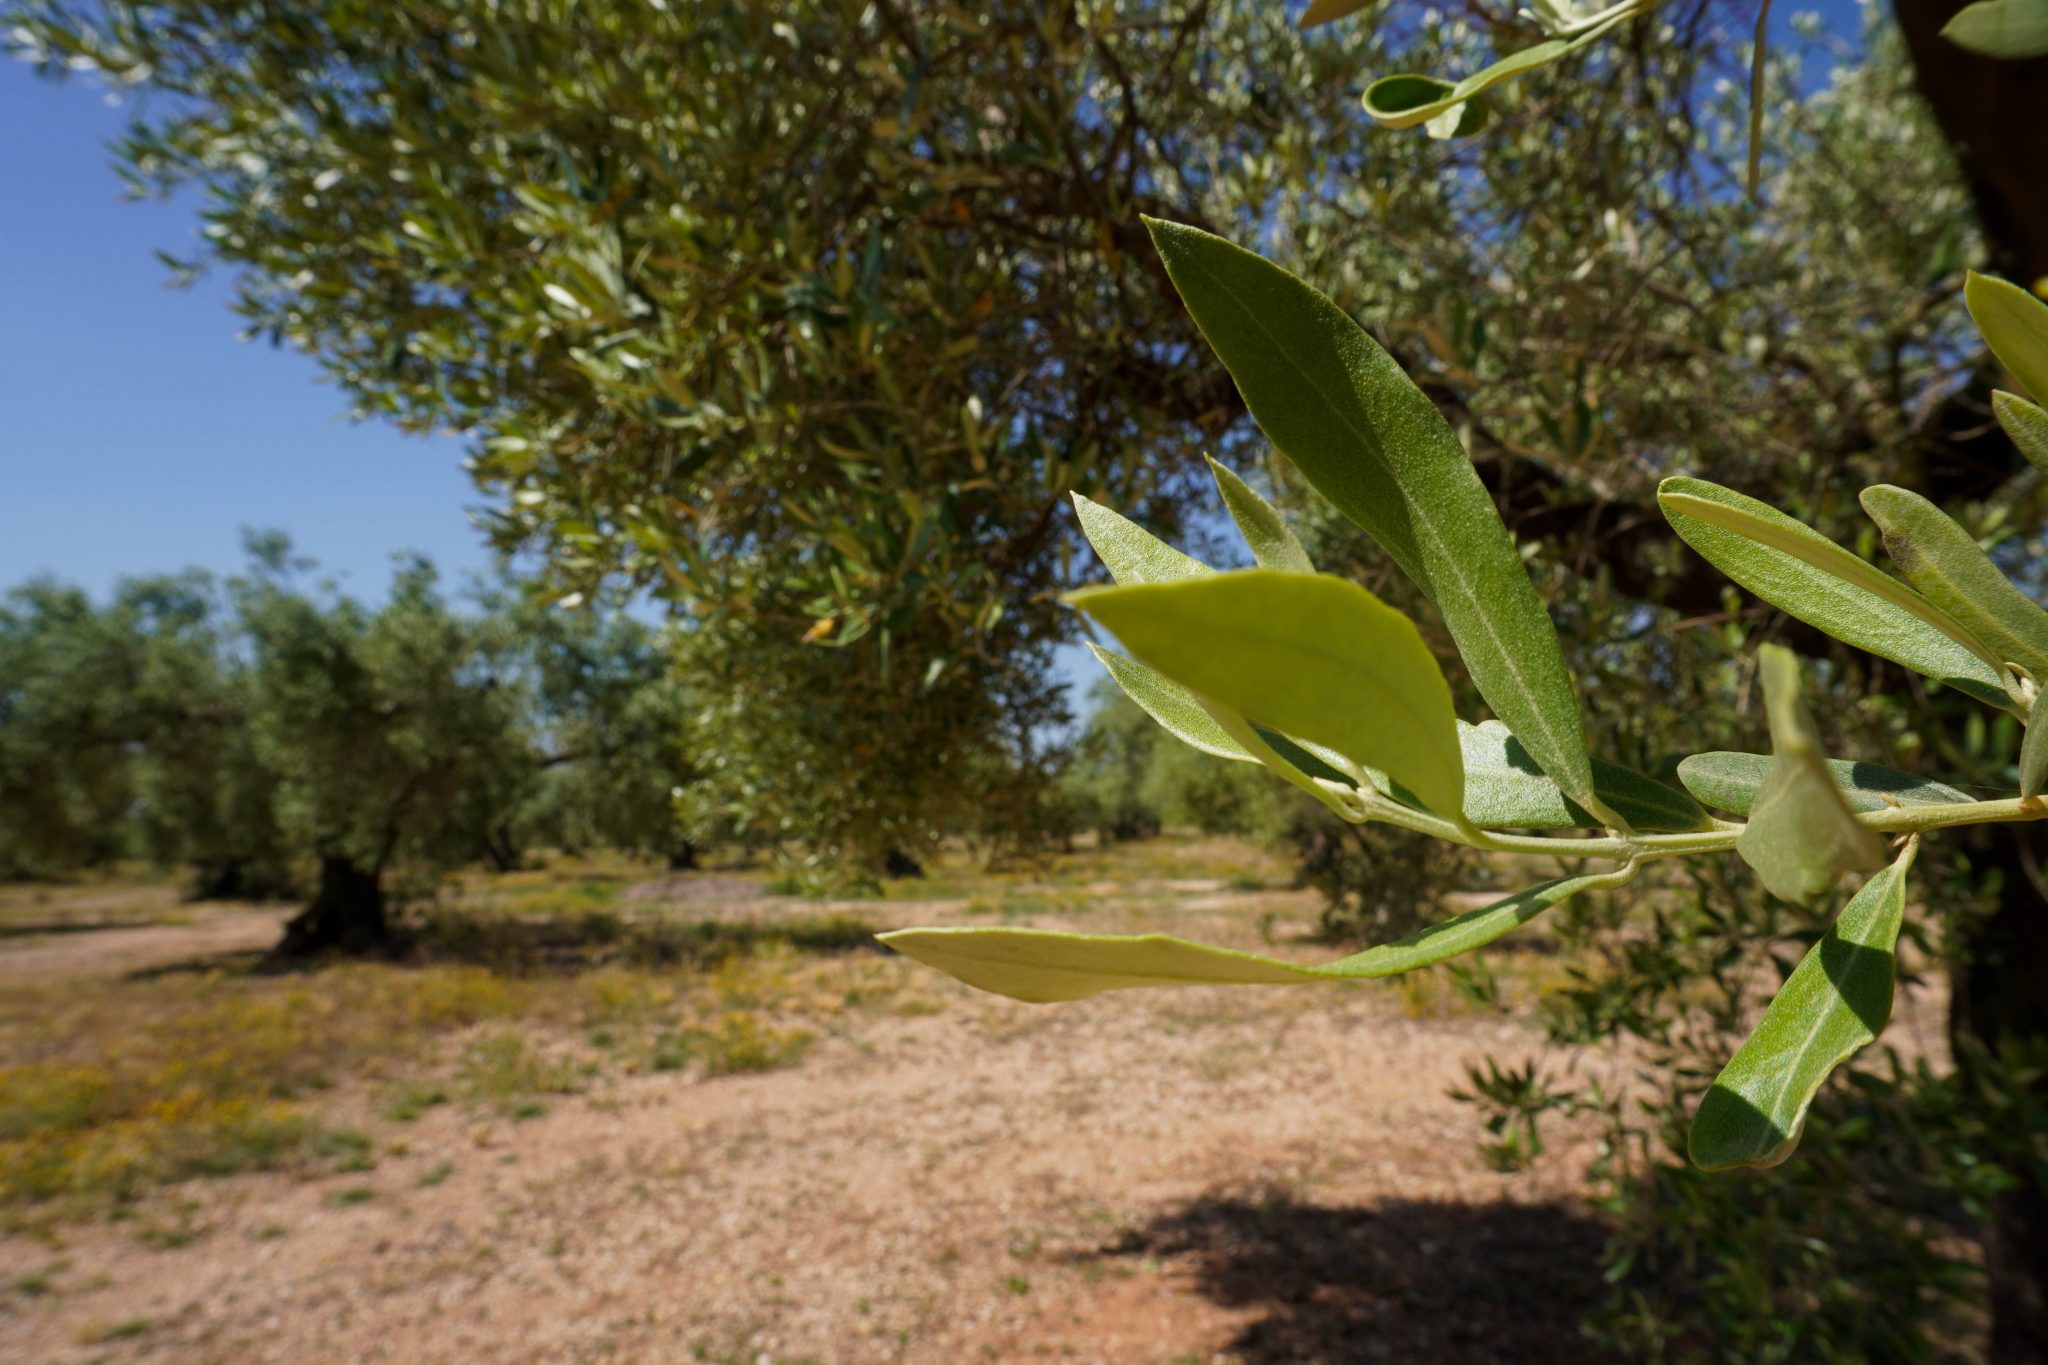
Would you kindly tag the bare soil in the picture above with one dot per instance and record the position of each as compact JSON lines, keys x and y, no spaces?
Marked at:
{"x":1202,"y":1175}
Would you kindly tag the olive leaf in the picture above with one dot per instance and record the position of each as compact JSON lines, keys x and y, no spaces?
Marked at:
{"x":1172,"y":706}
{"x":2015,"y":325}
{"x":2001,"y":28}
{"x":1837,"y":999}
{"x":1505,"y":789}
{"x":1404,"y":101}
{"x":1730,"y":781}
{"x":2034,"y":748}
{"x":1946,"y":564}
{"x":2025,"y":423}
{"x":1801,"y":836}
{"x":1311,"y":655}
{"x":1358,"y":429}
{"x":1134,"y":555}
{"x":1272,"y":544}
{"x":1130,"y":552}
{"x":1806,"y":575}
{"x":1046,"y":965}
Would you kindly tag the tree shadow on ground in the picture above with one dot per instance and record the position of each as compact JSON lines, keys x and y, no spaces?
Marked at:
{"x":1439,"y":1283}
{"x":598,"y":938}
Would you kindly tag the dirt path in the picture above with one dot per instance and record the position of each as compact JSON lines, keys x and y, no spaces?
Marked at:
{"x":1196,"y":1175}
{"x":76,"y":953}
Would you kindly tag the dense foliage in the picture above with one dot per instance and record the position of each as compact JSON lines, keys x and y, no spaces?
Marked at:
{"x":270,"y":733}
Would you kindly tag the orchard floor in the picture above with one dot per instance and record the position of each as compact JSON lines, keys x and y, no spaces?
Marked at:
{"x":556,"y":1135}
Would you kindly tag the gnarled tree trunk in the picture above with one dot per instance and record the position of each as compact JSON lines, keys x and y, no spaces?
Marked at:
{"x":346,"y":914}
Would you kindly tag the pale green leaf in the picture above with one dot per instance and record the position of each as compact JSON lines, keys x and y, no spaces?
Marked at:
{"x":1806,"y":575}
{"x":2001,"y":28}
{"x":1272,"y":544}
{"x":2034,"y":748}
{"x":1837,"y":1000}
{"x":2025,"y":423}
{"x":1730,"y":781}
{"x":1310,"y":655}
{"x":1340,"y":408}
{"x":1045,"y":965}
{"x":1132,"y":553}
{"x":1801,"y":836}
{"x":1173,"y":706}
{"x":1505,"y":789}
{"x":2015,"y":325}
{"x":1404,"y":101}
{"x":1946,"y":564}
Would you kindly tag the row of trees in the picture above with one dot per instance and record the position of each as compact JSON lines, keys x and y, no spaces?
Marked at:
{"x":274,"y":735}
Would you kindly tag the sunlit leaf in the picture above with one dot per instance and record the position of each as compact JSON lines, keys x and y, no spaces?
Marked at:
{"x":1272,"y":544}
{"x":1837,"y":1000}
{"x":1341,"y":409}
{"x":1801,"y":836}
{"x":2026,"y":423}
{"x":1730,"y":781}
{"x":1404,"y":101}
{"x":1946,"y":564}
{"x":1310,"y":655}
{"x":1805,"y":574}
{"x":2001,"y":28}
{"x":1172,"y":705}
{"x":1044,"y":965}
{"x":1130,"y":552}
{"x":2034,"y":748}
{"x":2015,"y":326}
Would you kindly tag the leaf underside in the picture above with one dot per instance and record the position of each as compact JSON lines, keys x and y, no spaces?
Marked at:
{"x":1046,"y":965}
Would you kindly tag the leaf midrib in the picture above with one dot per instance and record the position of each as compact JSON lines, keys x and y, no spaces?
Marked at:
{"x":1421,"y":519}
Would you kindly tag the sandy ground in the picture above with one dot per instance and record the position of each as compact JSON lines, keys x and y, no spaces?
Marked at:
{"x":1202,"y":1175}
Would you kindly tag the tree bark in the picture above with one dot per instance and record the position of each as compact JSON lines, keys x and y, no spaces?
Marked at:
{"x":1997,"y":1011}
{"x":1994,"y":114}
{"x":346,"y":914}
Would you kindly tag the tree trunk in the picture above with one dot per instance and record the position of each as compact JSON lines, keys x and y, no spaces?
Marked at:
{"x":1999,"y":1010}
{"x":346,"y":914}
{"x":683,"y":857}
{"x":1992,"y":113}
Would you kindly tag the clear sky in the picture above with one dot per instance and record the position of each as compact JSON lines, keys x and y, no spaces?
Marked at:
{"x":136,"y":433}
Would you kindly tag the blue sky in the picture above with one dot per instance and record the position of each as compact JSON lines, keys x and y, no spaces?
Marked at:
{"x":136,"y":433}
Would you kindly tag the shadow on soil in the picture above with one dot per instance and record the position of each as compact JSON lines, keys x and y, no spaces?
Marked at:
{"x":1401,"y":1280}
{"x":571,"y":943}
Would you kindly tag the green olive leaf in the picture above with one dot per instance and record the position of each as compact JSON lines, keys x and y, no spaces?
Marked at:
{"x":1172,"y":706}
{"x":1130,"y":552}
{"x":1801,"y":836}
{"x":2034,"y":748}
{"x":1946,"y":564}
{"x":1806,"y":575}
{"x":2001,"y":28}
{"x":1837,"y":1000}
{"x":1272,"y":544}
{"x":1310,"y":655}
{"x":2025,"y":423}
{"x":1730,"y":781}
{"x":1046,"y":965}
{"x":1505,"y":789}
{"x":2015,"y":326}
{"x":1404,"y":101}
{"x":1358,"y":429}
